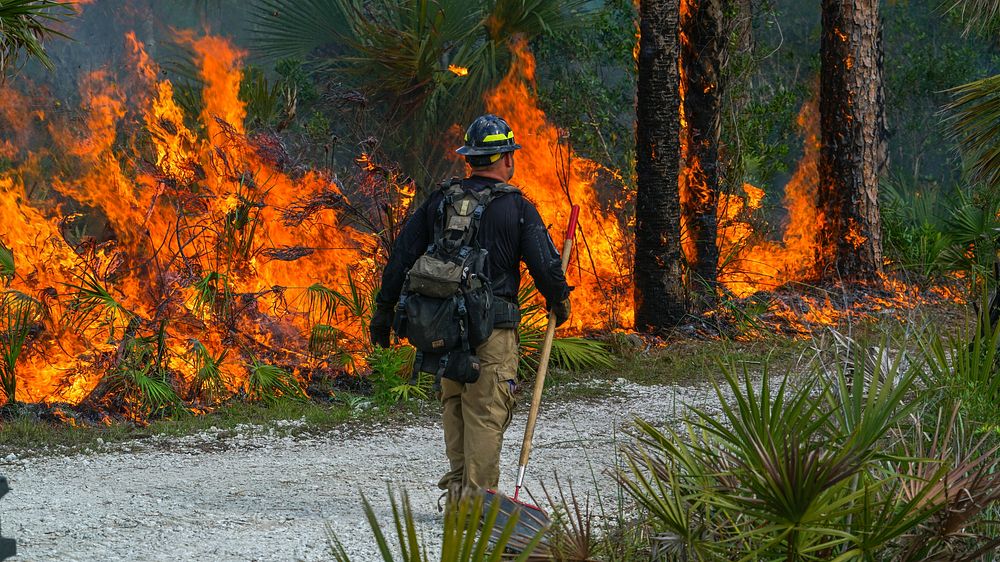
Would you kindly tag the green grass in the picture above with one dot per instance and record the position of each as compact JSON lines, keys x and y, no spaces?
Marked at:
{"x":25,"y":434}
{"x":687,"y":362}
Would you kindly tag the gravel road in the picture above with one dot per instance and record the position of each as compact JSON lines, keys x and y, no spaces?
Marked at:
{"x":259,"y":495}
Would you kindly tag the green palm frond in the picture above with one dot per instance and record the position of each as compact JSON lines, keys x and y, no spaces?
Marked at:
{"x":980,"y":16}
{"x":24,"y":25}
{"x":531,"y":18}
{"x":297,"y":29}
{"x":975,"y":123}
{"x":268,"y":383}
{"x":322,"y":304}
{"x":92,"y":304}
{"x":18,"y":314}
{"x":580,"y":354}
{"x":7,"y":265}
{"x":207,"y":384}
{"x":572,"y":353}
{"x":468,"y":530}
{"x":212,"y":292}
{"x":143,"y":377}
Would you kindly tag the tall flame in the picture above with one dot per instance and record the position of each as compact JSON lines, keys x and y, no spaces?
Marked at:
{"x":555,"y":178}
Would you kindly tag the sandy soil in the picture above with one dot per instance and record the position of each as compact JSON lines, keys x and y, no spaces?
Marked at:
{"x":257,"y":495}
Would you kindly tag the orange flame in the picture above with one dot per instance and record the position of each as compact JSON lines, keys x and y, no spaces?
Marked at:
{"x":171,"y":235}
{"x":555,"y":178}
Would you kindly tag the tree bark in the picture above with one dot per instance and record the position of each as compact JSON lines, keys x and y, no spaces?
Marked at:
{"x":703,"y":43}
{"x":853,"y":151}
{"x":660,"y":298}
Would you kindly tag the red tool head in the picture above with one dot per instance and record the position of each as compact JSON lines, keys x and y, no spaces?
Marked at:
{"x":573,"y":215}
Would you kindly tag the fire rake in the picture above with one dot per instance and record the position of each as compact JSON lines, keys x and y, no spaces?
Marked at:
{"x":8,"y":547}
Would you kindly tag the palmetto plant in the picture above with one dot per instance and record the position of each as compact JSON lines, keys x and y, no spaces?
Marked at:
{"x":142,"y":378}
{"x":399,"y":53}
{"x":207,"y":384}
{"x":24,"y":25}
{"x":18,"y":315}
{"x":468,"y":526}
{"x":575,"y":354}
{"x":92,"y":304}
{"x":822,"y":470}
{"x":268,"y":383}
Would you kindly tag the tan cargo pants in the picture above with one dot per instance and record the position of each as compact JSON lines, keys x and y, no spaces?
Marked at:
{"x":477,"y":414}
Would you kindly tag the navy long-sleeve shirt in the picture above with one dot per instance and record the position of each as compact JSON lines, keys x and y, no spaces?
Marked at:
{"x":511,"y":230}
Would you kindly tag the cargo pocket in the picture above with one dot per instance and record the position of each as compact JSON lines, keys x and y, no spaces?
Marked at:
{"x":506,"y":391}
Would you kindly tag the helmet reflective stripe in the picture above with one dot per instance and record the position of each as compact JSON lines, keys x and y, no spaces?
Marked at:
{"x":495,"y":157}
{"x":488,"y":135}
{"x":499,"y":137}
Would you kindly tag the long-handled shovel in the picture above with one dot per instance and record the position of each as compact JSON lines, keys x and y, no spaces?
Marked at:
{"x":531,"y":518}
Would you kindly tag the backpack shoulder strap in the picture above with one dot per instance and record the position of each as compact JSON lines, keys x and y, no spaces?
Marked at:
{"x":501,"y":188}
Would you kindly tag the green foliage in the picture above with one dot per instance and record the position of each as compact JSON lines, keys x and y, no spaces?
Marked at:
{"x":266,"y":100}
{"x":397,"y":53}
{"x":351,"y":306}
{"x":825,"y":469}
{"x":575,"y":354}
{"x":973,"y":230}
{"x":24,"y":25}
{"x":975,"y":124}
{"x":468,"y":528}
{"x":268,"y":383}
{"x":207,"y":384}
{"x":393,"y":378}
{"x":142,"y":376}
{"x":92,"y":304}
{"x":212,"y":293}
{"x":967,"y":367}
{"x":914,"y":226}
{"x":18,"y":315}
{"x":586,"y":84}
{"x":7,"y":264}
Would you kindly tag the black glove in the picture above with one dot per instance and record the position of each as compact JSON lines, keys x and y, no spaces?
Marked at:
{"x":380,"y":325}
{"x":562,"y":310}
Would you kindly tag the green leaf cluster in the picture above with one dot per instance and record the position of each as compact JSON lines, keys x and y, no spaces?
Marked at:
{"x":24,"y":24}
{"x":469,"y":527}
{"x":826,"y":468}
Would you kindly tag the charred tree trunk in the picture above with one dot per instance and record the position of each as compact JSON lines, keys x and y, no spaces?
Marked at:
{"x":702,"y":47}
{"x":660,"y":299}
{"x":852,"y":123}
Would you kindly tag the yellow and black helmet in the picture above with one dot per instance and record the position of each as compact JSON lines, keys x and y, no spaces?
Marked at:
{"x":488,"y":135}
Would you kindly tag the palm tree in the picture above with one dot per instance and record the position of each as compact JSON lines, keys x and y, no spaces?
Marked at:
{"x":24,"y":24}
{"x":852,"y":124}
{"x":660,"y":299}
{"x":424,"y":65}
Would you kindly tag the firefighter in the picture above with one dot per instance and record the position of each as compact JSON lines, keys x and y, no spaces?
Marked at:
{"x":476,"y":415}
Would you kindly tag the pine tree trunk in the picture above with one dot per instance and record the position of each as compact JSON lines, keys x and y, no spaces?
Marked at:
{"x":702,"y":50}
{"x":852,"y":122}
{"x":660,"y":300}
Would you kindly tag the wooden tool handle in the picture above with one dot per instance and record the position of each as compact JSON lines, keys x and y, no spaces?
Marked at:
{"x":543,"y":361}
